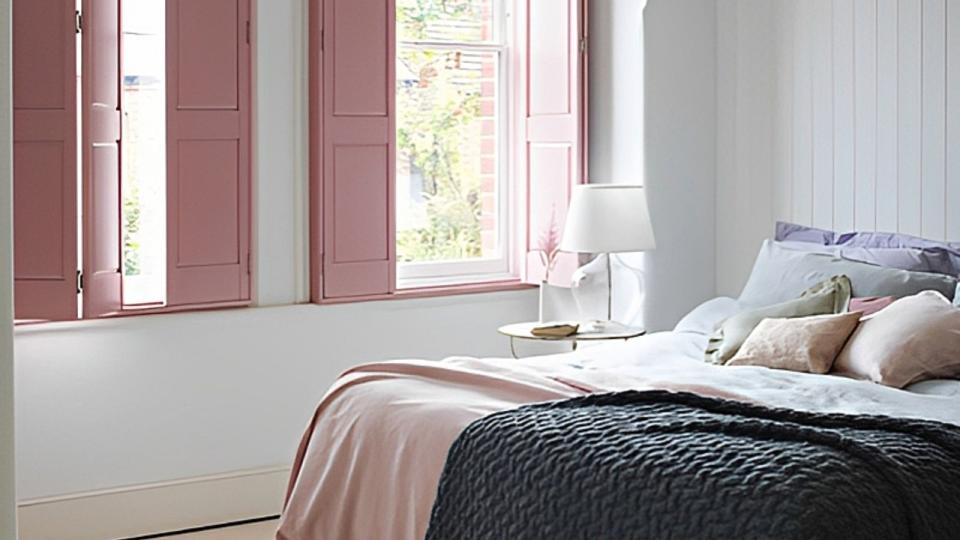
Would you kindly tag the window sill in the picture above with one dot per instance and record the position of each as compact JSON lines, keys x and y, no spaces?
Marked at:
{"x":136,"y":312}
{"x":432,"y":292}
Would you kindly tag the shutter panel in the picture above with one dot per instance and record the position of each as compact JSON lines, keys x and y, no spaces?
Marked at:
{"x":553,"y":156}
{"x":359,"y":256}
{"x":45,"y":159}
{"x":100,"y":79}
{"x":208,"y":151}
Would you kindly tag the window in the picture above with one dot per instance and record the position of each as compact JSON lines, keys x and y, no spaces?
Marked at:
{"x":144,"y":158}
{"x":446,"y":137}
{"x":452,"y":182}
{"x":132,"y":182}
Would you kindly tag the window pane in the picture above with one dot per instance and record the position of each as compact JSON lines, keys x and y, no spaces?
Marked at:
{"x":445,"y":20}
{"x":447,"y":162}
{"x":144,"y":152}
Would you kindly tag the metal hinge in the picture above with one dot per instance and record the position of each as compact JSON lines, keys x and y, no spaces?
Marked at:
{"x":79,"y":282}
{"x":583,"y":45}
{"x":249,"y":261}
{"x":79,"y":23}
{"x":248,"y":32}
{"x":321,"y":39}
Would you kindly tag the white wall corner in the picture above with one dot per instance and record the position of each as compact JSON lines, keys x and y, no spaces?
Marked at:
{"x":681,"y":155}
{"x":8,"y":494}
{"x":280,"y":230}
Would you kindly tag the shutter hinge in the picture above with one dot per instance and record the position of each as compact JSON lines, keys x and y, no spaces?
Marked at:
{"x":321,"y":39}
{"x":583,"y":45}
{"x":248,"y":32}
{"x":249,"y":261}
{"x":79,"y":282}
{"x":79,"y":21}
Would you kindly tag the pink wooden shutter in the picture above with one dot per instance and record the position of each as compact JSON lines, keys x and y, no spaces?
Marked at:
{"x":45,"y":159}
{"x":359,"y":255}
{"x":208,"y":151}
{"x":553,"y":157}
{"x":100,"y":78}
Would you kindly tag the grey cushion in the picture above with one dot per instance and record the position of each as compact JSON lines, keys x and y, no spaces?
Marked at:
{"x":781,"y":274}
{"x":825,"y":298}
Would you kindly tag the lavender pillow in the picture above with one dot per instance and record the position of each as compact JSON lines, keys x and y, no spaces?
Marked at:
{"x":791,"y":232}
{"x":892,"y":250}
{"x":914,"y":260}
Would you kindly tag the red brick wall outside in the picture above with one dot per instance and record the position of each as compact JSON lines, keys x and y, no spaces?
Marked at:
{"x":488,"y":143}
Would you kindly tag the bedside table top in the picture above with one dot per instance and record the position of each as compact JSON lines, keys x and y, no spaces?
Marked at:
{"x":588,"y":332}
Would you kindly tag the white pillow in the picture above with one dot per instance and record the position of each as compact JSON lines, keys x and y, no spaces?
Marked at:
{"x":782,"y":274}
{"x":705,"y":317}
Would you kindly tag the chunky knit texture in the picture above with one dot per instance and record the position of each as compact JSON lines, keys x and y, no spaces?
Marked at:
{"x":667,"y":465}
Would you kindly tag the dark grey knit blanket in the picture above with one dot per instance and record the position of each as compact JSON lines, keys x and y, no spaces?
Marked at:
{"x":667,"y":465}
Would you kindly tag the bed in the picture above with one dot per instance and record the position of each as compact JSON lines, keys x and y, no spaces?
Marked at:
{"x":372,"y":458}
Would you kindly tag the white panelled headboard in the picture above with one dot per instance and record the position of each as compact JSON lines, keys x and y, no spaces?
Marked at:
{"x":840,"y":114}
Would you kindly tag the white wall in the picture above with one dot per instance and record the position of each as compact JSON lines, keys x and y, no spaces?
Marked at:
{"x":840,"y":115}
{"x":8,"y":496}
{"x":680,"y":155}
{"x":658,"y":130}
{"x":280,"y":230}
{"x":749,"y":147}
{"x":126,"y":402}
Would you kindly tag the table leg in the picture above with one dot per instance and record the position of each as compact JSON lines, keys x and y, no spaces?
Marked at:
{"x":574,"y":345}
{"x":513,"y":349}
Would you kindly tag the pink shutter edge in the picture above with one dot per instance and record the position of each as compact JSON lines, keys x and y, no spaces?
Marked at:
{"x":315,"y":71}
{"x":545,"y":190}
{"x":101,"y":134}
{"x":45,"y":161}
{"x":208,"y":157}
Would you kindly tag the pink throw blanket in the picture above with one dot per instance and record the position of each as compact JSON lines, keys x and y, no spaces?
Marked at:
{"x":370,"y":461}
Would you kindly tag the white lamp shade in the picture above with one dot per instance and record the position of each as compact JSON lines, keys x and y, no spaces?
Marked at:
{"x":608,"y":218}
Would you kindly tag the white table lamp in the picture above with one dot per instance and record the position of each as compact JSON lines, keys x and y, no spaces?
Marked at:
{"x":605,"y":219}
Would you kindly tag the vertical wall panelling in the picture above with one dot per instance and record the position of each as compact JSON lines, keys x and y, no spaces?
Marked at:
{"x":844,"y":139}
{"x":45,"y":158}
{"x":873,"y":90}
{"x":823,"y":100}
{"x":888,"y":136}
{"x":100,"y":101}
{"x":953,"y":121}
{"x":802,"y":134}
{"x":909,"y":111}
{"x":865,"y":114}
{"x":783,"y":159}
{"x":933,"y":131}
{"x":208,"y":151}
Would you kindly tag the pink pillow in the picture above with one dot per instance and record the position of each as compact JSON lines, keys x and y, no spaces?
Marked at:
{"x":804,"y":344}
{"x":870,"y":304}
{"x":914,"y":339}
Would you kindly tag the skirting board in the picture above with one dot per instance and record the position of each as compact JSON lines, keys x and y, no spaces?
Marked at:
{"x":155,"y":508}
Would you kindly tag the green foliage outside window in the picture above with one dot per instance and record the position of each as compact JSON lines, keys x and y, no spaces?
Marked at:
{"x":131,"y":217}
{"x":438,"y":130}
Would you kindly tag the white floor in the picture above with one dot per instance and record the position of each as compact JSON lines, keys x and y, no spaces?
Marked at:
{"x":255,"y":531}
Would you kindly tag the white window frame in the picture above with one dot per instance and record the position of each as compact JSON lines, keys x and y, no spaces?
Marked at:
{"x":412,"y":275}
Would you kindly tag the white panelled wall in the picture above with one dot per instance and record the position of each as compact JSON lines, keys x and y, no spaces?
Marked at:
{"x":840,"y":114}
